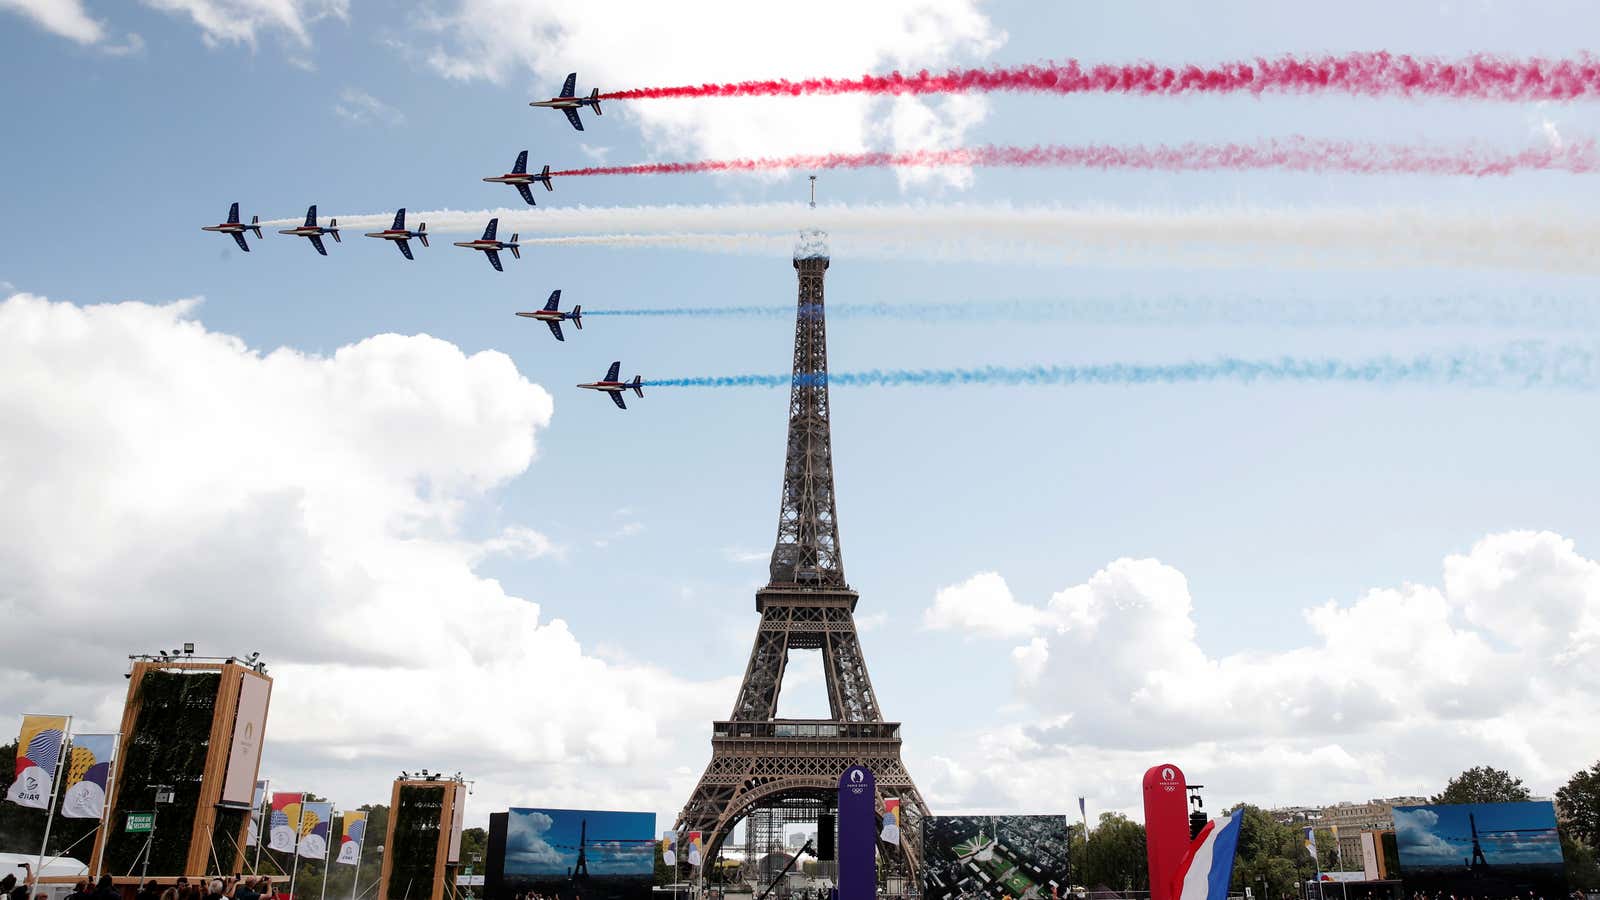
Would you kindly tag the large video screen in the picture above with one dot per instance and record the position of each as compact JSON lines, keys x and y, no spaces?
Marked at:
{"x":571,"y":854}
{"x":972,"y":857}
{"x":1480,"y":849}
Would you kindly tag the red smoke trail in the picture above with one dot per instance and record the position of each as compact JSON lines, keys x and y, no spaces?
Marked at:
{"x":1365,"y":74}
{"x":1292,"y":154}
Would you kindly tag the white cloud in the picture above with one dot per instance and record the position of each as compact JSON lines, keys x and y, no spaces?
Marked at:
{"x":538,"y":42}
{"x":361,"y":108}
{"x":241,"y":21}
{"x":1397,"y":690}
{"x":162,"y":482}
{"x":66,"y":18}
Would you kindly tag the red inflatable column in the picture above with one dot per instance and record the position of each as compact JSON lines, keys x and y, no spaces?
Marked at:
{"x":1166,"y":827}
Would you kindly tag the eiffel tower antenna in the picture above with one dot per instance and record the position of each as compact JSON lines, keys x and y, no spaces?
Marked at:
{"x":764,"y":769}
{"x":813,"y":192}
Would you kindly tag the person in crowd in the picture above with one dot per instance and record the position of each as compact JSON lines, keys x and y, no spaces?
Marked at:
{"x":106,"y":889}
{"x":14,"y":891}
{"x":246,"y":890}
{"x":80,"y":891}
{"x":170,"y":893}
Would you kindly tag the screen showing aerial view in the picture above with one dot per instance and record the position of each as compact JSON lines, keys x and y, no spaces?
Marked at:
{"x":1023,"y":857}
{"x":1480,"y":849}
{"x":577,"y":854}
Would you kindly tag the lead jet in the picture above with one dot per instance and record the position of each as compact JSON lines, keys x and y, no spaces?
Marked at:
{"x":492,"y":247}
{"x":237,"y":228}
{"x":400,"y":235}
{"x":570,"y":104}
{"x":314,"y":231}
{"x":552,"y":316}
{"x":612,"y":386}
{"x":519,"y":176}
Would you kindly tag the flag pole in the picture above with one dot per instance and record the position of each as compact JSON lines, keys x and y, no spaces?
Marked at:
{"x":266,"y":798}
{"x":361,"y":850}
{"x":327,"y":853}
{"x":298,"y":821}
{"x":55,"y":794}
{"x":105,"y":804}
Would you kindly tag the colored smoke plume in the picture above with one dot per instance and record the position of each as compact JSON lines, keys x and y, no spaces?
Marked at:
{"x":1520,"y":366}
{"x":1370,"y":74}
{"x":1295,"y":154}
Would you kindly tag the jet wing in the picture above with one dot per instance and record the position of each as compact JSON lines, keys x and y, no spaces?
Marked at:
{"x":405,"y":248}
{"x":522,"y":163}
{"x":233,"y":213}
{"x":611,"y":373}
{"x":494,"y":259}
{"x":239,"y":237}
{"x":526,"y":194}
{"x":554,"y":302}
{"x":311,"y":216}
{"x":555,"y":329}
{"x":570,"y":86}
{"x":399,"y":219}
{"x":572,"y":116}
{"x":316,"y":241}
{"x":616,"y":397}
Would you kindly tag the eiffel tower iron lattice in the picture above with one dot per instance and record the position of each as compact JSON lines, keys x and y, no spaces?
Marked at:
{"x":792,"y":766}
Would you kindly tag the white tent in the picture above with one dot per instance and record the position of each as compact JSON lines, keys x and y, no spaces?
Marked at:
{"x":63,"y":866}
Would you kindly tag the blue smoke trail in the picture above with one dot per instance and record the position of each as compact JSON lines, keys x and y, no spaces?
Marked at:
{"x":1522,"y":365}
{"x":1551,"y":312}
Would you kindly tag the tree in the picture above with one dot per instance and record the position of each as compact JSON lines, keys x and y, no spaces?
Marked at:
{"x":1114,"y":855}
{"x":1579,"y":805}
{"x":1483,"y":784}
{"x":1271,"y":858}
{"x":1583,"y":873}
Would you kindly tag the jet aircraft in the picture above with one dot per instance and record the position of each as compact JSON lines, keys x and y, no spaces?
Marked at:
{"x":492,"y":247}
{"x":314,"y":231}
{"x":612,"y":386}
{"x":552,"y":316}
{"x":236,"y":228}
{"x":570,"y":104}
{"x":400,"y":235}
{"x":519,"y":176}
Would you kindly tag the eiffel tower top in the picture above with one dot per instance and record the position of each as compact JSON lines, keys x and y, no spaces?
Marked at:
{"x":807,"y":553}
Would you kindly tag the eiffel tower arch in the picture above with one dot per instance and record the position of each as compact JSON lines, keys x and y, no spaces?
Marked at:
{"x":765,"y":770}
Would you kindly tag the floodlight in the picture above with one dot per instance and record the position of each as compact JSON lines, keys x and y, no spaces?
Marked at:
{"x":188,"y":648}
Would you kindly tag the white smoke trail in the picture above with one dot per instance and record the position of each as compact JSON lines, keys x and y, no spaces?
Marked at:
{"x":1552,"y":241}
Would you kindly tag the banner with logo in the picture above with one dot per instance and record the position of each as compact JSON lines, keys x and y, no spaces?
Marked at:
{"x":283,"y":825}
{"x":694,"y":848}
{"x":249,"y":727}
{"x":315,"y":821}
{"x":1311,"y":845}
{"x":38,"y":753}
{"x":891,"y":821}
{"x":88,"y":769}
{"x":857,"y":851}
{"x":669,"y":847}
{"x":355,"y":831}
{"x":252,"y":832}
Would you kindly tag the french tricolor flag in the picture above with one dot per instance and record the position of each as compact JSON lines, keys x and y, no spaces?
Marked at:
{"x":1208,"y":867}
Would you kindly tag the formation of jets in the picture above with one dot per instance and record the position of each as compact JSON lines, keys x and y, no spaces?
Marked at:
{"x":401,"y":236}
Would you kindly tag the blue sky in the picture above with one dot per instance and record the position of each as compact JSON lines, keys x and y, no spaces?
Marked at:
{"x":1510,"y":834}
{"x":545,"y":841}
{"x":650,"y":528}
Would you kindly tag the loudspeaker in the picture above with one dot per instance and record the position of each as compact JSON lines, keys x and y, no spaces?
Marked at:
{"x":825,"y":837}
{"x":1197,"y":821}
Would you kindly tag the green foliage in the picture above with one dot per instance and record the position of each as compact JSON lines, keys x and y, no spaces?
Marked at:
{"x":1113,"y":855}
{"x":1583,"y":873}
{"x":1272,"y":860}
{"x":416,"y":841}
{"x":168,"y":746}
{"x":1483,"y":784}
{"x":1578,"y":802}
{"x":21,"y":829}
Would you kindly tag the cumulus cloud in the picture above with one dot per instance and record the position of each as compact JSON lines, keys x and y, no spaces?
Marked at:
{"x":161,"y":482}
{"x":66,"y":18}
{"x":361,"y":108}
{"x":1397,"y":689}
{"x":242,"y":21}
{"x":616,"y":43}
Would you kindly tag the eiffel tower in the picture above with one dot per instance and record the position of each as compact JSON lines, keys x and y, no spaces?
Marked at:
{"x":764,"y":769}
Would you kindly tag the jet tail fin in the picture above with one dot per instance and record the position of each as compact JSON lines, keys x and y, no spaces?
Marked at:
{"x":516,"y":252}
{"x":637,"y":384}
{"x":422,"y":233}
{"x":255,"y":225}
{"x":546,"y":177}
{"x":333,"y":229}
{"x":594,"y":100}
{"x":577,"y":316}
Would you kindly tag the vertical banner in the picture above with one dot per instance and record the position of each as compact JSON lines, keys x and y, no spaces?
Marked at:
{"x":694,"y":848}
{"x":315,"y":820}
{"x":249,"y":725}
{"x":355,"y":832}
{"x":458,"y":814}
{"x":1311,"y":847}
{"x":1166,"y":827}
{"x":891,"y":821}
{"x":284,"y":825}
{"x":857,"y":848}
{"x":88,"y":768}
{"x":253,"y":830}
{"x":38,"y":752}
{"x":669,"y":848}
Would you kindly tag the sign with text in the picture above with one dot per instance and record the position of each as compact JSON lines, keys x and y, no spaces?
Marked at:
{"x":858,"y":834}
{"x":141,"y":822}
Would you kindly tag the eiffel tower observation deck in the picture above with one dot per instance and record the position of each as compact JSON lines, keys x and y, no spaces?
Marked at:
{"x":766,"y":770}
